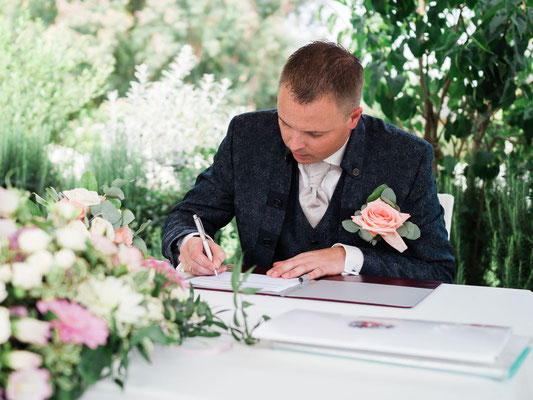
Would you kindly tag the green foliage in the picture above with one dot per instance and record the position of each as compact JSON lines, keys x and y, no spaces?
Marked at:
{"x":44,"y":82}
{"x":244,"y":41}
{"x":457,"y":73}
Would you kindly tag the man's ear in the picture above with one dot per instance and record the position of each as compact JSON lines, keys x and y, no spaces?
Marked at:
{"x":354,"y":117}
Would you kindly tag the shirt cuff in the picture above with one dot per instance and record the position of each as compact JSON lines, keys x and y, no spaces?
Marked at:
{"x":354,"y":259}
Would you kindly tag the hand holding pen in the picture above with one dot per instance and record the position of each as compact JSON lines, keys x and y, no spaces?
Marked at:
{"x":201,"y":231}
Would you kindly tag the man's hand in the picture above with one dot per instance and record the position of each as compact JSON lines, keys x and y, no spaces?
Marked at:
{"x":315,"y":263}
{"x":194,"y":260}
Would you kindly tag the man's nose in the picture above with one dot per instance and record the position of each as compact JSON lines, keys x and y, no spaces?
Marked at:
{"x":296,"y":141}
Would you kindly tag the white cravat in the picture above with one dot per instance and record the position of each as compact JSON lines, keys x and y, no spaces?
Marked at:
{"x":313,"y":198}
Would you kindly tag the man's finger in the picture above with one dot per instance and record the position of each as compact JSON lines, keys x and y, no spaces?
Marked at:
{"x":218,"y":254}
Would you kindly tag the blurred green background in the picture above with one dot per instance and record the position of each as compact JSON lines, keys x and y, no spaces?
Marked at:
{"x":144,"y":90}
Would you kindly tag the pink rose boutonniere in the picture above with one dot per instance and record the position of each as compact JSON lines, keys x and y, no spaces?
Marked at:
{"x":380,"y":217}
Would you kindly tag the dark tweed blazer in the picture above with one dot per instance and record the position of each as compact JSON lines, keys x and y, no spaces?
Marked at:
{"x":251,"y":176}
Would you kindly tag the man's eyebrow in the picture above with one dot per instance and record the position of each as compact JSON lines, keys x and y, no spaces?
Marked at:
{"x":309,"y":132}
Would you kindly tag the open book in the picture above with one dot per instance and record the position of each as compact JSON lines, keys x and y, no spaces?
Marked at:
{"x":267,"y":284}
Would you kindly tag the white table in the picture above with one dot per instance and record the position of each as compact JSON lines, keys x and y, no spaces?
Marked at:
{"x":258,"y":372}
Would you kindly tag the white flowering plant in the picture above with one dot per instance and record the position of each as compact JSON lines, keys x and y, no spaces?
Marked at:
{"x":77,"y":295}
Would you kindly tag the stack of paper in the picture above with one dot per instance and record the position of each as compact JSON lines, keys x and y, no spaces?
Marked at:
{"x":263,"y":282}
{"x":476,"y":349}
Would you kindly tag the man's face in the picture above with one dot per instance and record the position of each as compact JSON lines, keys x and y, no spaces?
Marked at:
{"x":316,"y":130}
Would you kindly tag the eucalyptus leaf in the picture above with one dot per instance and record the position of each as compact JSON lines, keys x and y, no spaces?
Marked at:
{"x":350,"y":226}
{"x":365,"y":235}
{"x":116,"y":202}
{"x":376,"y":193}
{"x":389,"y":194}
{"x":139,"y":243}
{"x":358,"y":212}
{"x":250,"y":290}
{"x":107,"y":211}
{"x":127,"y":217}
{"x":114,"y":192}
{"x":403,"y":231}
{"x":142,"y":227}
{"x":390,"y":203}
{"x":119,"y":182}
{"x":413,"y":230}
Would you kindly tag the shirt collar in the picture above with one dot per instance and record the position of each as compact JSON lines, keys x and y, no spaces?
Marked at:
{"x":336,"y":158}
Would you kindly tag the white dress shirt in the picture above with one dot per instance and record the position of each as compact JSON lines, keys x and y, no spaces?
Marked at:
{"x":354,"y":256}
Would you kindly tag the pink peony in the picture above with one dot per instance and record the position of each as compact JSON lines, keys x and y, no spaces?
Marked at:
{"x":104,"y":245}
{"x":163,"y":267}
{"x":124,"y":235}
{"x":29,"y":383}
{"x":379,"y":218}
{"x":75,"y":323}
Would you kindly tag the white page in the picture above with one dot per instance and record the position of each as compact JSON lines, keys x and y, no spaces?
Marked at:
{"x":257,"y":281}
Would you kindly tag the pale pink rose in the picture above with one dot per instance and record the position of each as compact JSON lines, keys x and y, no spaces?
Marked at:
{"x":18,"y":359}
{"x":9,"y":201}
{"x":7,"y":227}
{"x":378,"y":218}
{"x":83,"y":196}
{"x":104,"y":245}
{"x":75,"y":323}
{"x":124,"y":235}
{"x":71,"y":209}
{"x":30,"y":330}
{"x":164,"y":267}
{"x":102,"y":227}
{"x":29,"y":383}
{"x":132,"y":257}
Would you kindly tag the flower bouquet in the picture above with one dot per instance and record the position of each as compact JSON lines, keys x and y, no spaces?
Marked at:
{"x":380,"y":218}
{"x":77,"y":294}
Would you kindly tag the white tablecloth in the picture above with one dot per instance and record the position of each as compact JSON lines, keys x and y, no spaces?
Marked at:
{"x":258,"y":372}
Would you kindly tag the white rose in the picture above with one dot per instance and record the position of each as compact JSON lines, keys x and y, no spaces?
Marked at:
{"x":67,"y":210}
{"x":9,"y":202}
{"x":5,"y":273}
{"x":102,"y":227}
{"x":7,"y":227}
{"x":26,"y":276}
{"x":41,"y":259}
{"x":23,"y":359}
{"x":64,"y":258}
{"x":83,"y":196}
{"x":3,"y":291}
{"x":30,"y":330}
{"x":79,"y":226}
{"x":72,"y":238}
{"x":154,"y":307}
{"x":34,"y":239}
{"x":5,"y":325}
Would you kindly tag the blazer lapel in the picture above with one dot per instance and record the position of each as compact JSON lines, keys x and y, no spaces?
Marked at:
{"x":354,"y":191}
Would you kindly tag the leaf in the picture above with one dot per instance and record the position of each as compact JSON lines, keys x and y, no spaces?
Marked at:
{"x":235,"y":319}
{"x":88,"y":181}
{"x":52,"y":193}
{"x":247,"y":274}
{"x":127,"y":217}
{"x":413,"y":230}
{"x":140,"y":244}
{"x":395,"y":84}
{"x":376,"y":193}
{"x":235,"y":276}
{"x":246,"y":304}
{"x":107,"y":211}
{"x":390,"y":203}
{"x":119,"y":182}
{"x":116,"y":202}
{"x":350,"y":226}
{"x":143,"y":227}
{"x":481,"y":42}
{"x":389,"y":194}
{"x":114,"y":192}
{"x":41,"y":201}
{"x":92,"y":362}
{"x":33,"y":208}
{"x":365,"y":235}
{"x":153,"y":332}
{"x":402,"y":231}
{"x":250,"y":290}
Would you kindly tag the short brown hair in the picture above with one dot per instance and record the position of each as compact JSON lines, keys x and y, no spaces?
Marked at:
{"x":320,"y":68}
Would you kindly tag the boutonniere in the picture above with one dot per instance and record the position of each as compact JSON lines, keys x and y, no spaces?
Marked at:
{"x":380,"y":217}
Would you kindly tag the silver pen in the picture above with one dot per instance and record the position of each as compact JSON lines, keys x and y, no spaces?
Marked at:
{"x":201,"y":231}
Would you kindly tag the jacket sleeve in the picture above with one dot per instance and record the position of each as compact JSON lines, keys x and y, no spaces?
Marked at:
{"x":431,"y":255}
{"x":211,"y":198}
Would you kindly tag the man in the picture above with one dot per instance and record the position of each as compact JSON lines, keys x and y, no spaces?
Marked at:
{"x":290,"y":177}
